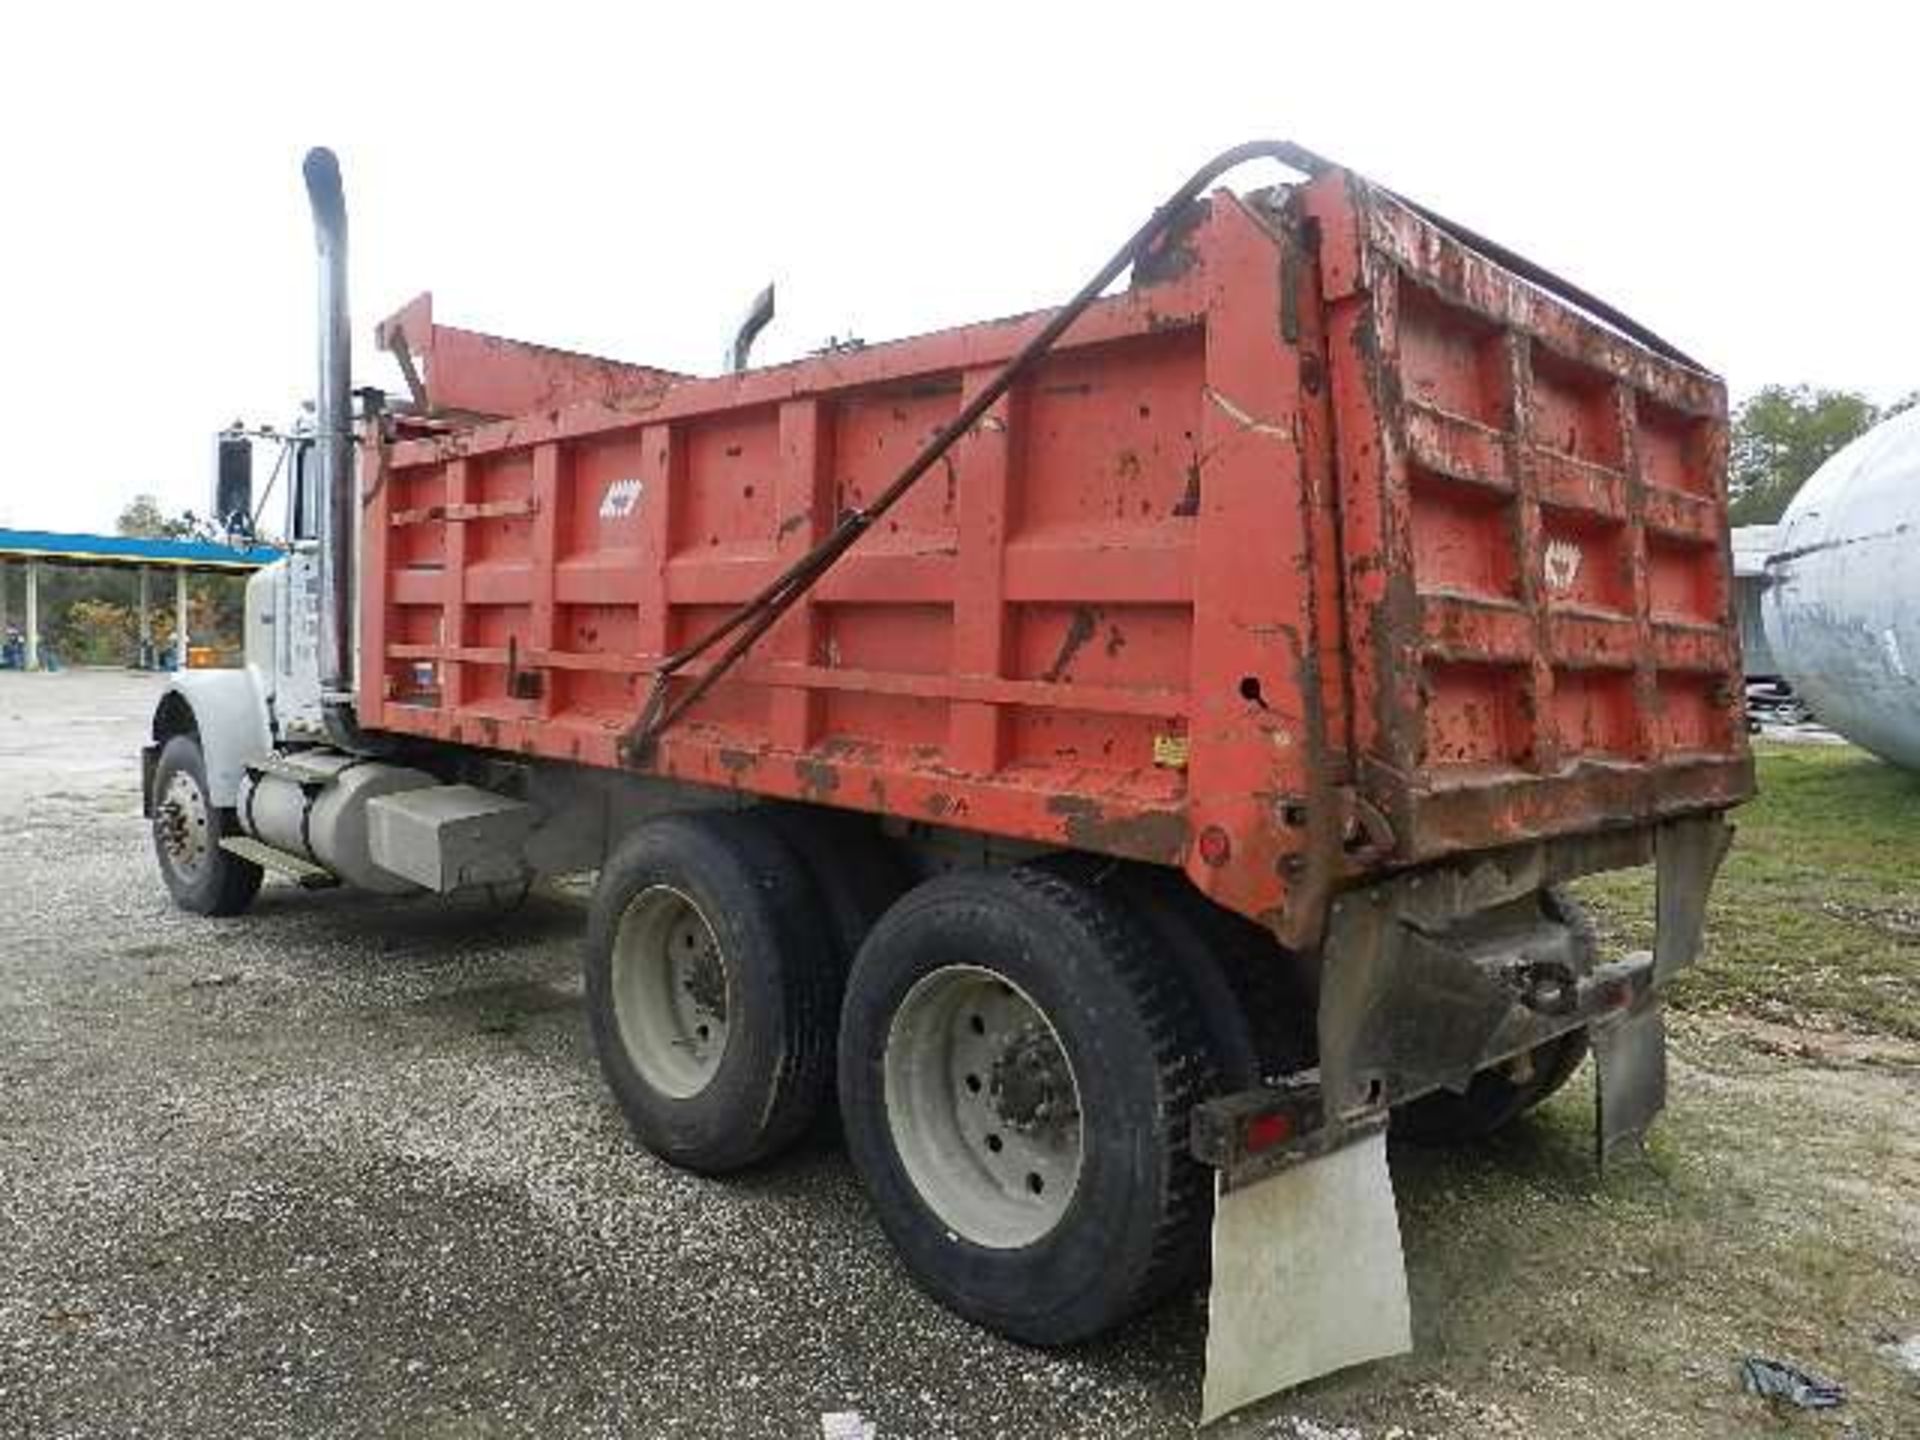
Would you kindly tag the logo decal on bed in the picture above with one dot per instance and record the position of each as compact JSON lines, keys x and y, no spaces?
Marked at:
{"x":1562,"y":565}
{"x":622,"y":499}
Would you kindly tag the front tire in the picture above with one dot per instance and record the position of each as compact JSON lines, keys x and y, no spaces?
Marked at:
{"x":1016,"y":1075}
{"x":187,"y":829}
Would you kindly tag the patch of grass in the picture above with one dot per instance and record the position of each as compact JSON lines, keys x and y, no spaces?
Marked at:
{"x":1816,"y":914}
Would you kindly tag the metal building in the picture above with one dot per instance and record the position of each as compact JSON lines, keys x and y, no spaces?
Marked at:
{"x":1751,"y":546}
{"x":31,"y":550}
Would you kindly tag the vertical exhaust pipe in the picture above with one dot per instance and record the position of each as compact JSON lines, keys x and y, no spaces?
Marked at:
{"x":333,"y":424}
{"x":757,"y":318}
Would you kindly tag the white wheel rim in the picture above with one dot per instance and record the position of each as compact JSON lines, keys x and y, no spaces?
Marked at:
{"x":180,"y":823}
{"x":670,"y":991}
{"x":983,"y":1106}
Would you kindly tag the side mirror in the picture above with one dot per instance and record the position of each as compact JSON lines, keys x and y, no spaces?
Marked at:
{"x":303,"y":509}
{"x":233,"y":485}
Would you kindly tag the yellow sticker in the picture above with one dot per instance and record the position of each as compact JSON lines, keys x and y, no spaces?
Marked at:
{"x":1171,"y":751}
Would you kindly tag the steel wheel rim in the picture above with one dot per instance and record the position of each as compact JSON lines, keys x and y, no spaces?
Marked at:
{"x":670,"y":991}
{"x":983,"y":1107}
{"x":180,"y":825}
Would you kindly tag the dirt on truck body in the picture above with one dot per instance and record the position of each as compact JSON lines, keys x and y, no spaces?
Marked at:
{"x":1335,"y":549}
{"x":1123,"y":753}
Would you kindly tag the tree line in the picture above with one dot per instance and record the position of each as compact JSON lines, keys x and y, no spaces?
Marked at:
{"x":1781,"y":434}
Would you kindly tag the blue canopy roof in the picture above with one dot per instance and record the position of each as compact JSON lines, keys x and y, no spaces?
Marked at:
{"x":131,"y":550}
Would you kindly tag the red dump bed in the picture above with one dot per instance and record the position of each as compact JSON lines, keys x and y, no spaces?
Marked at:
{"x":1330,"y":546}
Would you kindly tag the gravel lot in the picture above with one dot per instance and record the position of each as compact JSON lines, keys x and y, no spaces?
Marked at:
{"x":345,"y":1166}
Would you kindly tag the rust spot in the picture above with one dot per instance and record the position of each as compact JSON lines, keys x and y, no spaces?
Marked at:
{"x":842,"y":747}
{"x":1290,"y":266}
{"x":939,"y":805}
{"x":1156,"y":835}
{"x":1116,"y":641}
{"x":792,"y":523}
{"x":818,"y":779}
{"x":1175,"y":252}
{"x":1190,"y":500}
{"x":1081,"y":629}
{"x":737,"y":762}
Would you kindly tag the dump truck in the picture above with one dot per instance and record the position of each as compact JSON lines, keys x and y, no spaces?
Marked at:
{"x":1126,"y":758}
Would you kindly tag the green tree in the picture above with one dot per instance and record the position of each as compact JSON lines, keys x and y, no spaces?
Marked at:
{"x":96,"y":632}
{"x":1781,"y":434}
{"x":144,"y":518}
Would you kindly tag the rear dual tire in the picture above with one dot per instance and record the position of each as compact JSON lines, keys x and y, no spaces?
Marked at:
{"x":1020,"y":1007}
{"x":1019,"y":1051}
{"x":717,"y":951}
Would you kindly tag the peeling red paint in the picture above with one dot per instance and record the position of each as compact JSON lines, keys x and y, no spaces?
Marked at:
{"x":1283,"y":509}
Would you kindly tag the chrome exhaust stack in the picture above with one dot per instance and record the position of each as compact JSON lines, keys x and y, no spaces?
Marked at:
{"x":333,"y":426}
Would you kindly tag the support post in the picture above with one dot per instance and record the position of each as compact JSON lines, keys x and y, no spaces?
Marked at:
{"x":143,"y":635}
{"x":33,"y":615}
{"x":3,"y":600}
{"x":180,"y":618}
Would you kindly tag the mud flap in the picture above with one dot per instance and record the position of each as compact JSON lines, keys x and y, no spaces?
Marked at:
{"x":1630,"y":1077}
{"x":1308,"y":1276}
{"x":1630,"y":1047}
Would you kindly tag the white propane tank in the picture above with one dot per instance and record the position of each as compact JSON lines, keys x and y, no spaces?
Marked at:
{"x":1842,"y":601}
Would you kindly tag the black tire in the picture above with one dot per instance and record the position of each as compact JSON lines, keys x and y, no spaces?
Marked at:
{"x":775,"y":1064}
{"x":1180,"y":939}
{"x":855,"y":870}
{"x":1134,"y":1228}
{"x":1494,"y":1098}
{"x":1264,"y":986}
{"x":187,"y":829}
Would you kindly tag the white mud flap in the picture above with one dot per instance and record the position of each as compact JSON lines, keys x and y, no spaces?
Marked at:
{"x":1307,"y":1275}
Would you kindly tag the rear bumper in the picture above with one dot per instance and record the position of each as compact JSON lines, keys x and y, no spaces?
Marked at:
{"x":1441,"y":821}
{"x":1431,"y":977}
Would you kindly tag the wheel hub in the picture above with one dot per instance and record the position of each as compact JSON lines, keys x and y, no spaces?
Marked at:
{"x":983,"y":1107}
{"x":670,"y":991}
{"x":1032,"y":1088}
{"x":180,"y":825}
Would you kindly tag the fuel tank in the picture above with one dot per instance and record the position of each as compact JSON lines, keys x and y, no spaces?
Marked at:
{"x":1842,"y":601}
{"x":314,"y":804}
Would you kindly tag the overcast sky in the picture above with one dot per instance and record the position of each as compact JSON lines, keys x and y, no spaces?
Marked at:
{"x":621,"y":179}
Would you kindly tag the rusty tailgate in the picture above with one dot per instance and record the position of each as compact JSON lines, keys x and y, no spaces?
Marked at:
{"x":1533,"y":524}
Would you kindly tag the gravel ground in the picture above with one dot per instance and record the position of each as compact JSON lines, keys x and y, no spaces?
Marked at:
{"x":345,"y":1166}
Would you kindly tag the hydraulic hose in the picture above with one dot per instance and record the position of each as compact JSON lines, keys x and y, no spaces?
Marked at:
{"x":762,"y":611}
